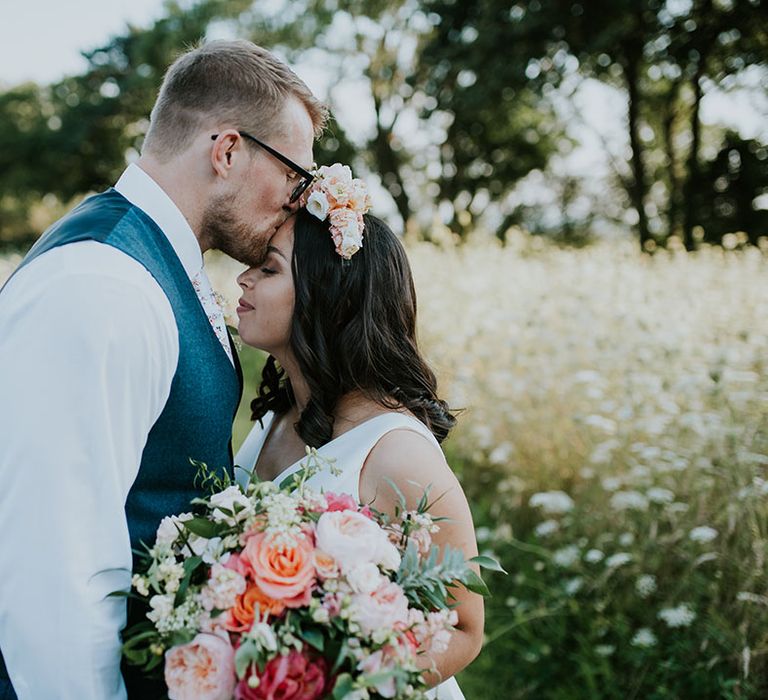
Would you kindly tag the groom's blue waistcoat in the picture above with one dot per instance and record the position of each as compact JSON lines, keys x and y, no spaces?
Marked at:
{"x":196,"y":423}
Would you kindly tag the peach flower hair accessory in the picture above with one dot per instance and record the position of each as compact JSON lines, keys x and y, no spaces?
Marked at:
{"x":341,"y":199}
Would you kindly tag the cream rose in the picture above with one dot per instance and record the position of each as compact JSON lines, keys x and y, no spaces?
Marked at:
{"x":352,"y":540}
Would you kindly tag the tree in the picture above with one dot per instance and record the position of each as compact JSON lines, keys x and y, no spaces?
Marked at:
{"x":476,"y":70}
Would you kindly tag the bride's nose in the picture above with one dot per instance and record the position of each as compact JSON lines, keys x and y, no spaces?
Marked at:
{"x":245,"y":279}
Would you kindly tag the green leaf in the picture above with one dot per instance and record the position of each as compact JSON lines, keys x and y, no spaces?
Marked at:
{"x":202,"y":527}
{"x":343,"y":686}
{"x":476,"y":584}
{"x":314,"y":637}
{"x":189,"y":568}
{"x":244,"y":656}
{"x":396,"y":489}
{"x":488,"y":563}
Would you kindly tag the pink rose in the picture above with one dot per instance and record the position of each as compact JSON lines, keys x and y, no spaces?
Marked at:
{"x":204,"y":669}
{"x":383,"y":608}
{"x":340,"y":501}
{"x":297,"y":676}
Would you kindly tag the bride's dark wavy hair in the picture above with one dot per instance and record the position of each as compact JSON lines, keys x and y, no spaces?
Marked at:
{"x":353,"y":328}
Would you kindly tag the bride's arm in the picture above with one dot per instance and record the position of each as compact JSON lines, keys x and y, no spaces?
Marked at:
{"x":412,"y":462}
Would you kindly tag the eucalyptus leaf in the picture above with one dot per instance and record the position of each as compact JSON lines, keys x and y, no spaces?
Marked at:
{"x":488,"y":563}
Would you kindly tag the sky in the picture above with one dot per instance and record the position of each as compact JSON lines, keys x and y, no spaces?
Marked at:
{"x":41,"y":40}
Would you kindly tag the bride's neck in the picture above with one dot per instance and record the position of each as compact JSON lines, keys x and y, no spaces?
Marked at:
{"x":349,"y":408}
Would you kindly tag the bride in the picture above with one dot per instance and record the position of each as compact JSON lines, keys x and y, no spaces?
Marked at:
{"x":337,"y":315}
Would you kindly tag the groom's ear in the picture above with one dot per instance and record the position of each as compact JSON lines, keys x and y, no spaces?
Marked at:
{"x":224,"y":145}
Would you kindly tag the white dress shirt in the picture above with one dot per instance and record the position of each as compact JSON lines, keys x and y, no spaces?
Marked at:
{"x":88,"y":349}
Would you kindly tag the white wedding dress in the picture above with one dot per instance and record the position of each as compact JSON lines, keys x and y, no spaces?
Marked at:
{"x":350,"y":450}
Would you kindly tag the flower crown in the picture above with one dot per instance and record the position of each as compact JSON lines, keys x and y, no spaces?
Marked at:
{"x":337,"y":196}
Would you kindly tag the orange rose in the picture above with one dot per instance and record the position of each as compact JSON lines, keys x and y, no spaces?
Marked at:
{"x":284,"y":574}
{"x":249,"y":604}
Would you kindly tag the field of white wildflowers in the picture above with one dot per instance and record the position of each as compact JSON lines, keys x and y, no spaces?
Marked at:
{"x":614,"y":445}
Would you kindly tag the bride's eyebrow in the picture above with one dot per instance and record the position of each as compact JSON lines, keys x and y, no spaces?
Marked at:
{"x":275,"y":249}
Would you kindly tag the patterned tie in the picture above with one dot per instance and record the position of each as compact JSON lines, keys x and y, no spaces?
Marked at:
{"x":205,"y":293}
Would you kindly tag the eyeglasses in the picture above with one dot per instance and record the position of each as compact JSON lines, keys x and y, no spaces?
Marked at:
{"x":306,"y":176}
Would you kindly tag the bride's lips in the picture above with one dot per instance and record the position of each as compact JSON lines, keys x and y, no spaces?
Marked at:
{"x":243,"y":306}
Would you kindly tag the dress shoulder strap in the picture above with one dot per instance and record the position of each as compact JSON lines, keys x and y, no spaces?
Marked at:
{"x":376,"y":428}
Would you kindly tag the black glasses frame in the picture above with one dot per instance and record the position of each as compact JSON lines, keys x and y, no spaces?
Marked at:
{"x":306,"y":177}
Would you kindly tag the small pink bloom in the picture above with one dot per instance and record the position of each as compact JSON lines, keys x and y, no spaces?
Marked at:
{"x":325,"y":565}
{"x":204,"y":669}
{"x":342,"y":501}
{"x":383,"y":608}
{"x":297,"y":676}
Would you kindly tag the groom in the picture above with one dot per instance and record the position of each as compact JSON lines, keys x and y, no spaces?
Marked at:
{"x":116,"y":367}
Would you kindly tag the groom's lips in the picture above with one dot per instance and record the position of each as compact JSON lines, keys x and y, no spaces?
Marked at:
{"x":243,"y":306}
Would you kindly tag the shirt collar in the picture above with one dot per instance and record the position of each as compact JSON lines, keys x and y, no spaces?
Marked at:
{"x":143,"y":192}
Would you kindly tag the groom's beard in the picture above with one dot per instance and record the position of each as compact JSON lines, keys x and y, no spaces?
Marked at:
{"x":221,"y":229}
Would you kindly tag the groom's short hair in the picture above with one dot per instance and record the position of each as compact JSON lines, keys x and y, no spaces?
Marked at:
{"x":232,"y":81}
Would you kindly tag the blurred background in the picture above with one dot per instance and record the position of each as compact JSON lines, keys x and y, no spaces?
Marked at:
{"x":583,"y":191}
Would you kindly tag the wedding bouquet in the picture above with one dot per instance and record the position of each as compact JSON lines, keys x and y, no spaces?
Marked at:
{"x":284,"y":592}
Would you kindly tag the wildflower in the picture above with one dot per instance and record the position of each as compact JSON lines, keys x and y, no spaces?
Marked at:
{"x":703,"y":534}
{"x":626,"y":539}
{"x":645,"y":585}
{"x":681,"y":616}
{"x":552,"y":501}
{"x":659,"y":495}
{"x":574,"y":585}
{"x":594,"y":556}
{"x":546,"y":528}
{"x":617,"y":560}
{"x":566,"y":556}
{"x":643,"y":638}
{"x":629,"y":500}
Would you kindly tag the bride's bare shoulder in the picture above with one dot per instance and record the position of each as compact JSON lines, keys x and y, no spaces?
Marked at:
{"x":410,"y":460}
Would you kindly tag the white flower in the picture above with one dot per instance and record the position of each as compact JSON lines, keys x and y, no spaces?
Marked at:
{"x":351,"y":539}
{"x":162,"y":607}
{"x":626,"y":539}
{"x":482,"y":534}
{"x":605,"y":649}
{"x":546,"y":528}
{"x":629,"y":500}
{"x":645,"y":585}
{"x":264,"y":636}
{"x":227,"y":500}
{"x":643,"y":638}
{"x":169,"y":527}
{"x":594,"y":556}
{"x":681,"y":616}
{"x":574,"y":585}
{"x":659,"y":495}
{"x":617,"y":560}
{"x":140,"y":584}
{"x":601,"y":423}
{"x":611,"y":483}
{"x":566,"y":556}
{"x":364,"y":578}
{"x":318,"y":205}
{"x":222,"y":588}
{"x":703,"y":534}
{"x":552,"y":501}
